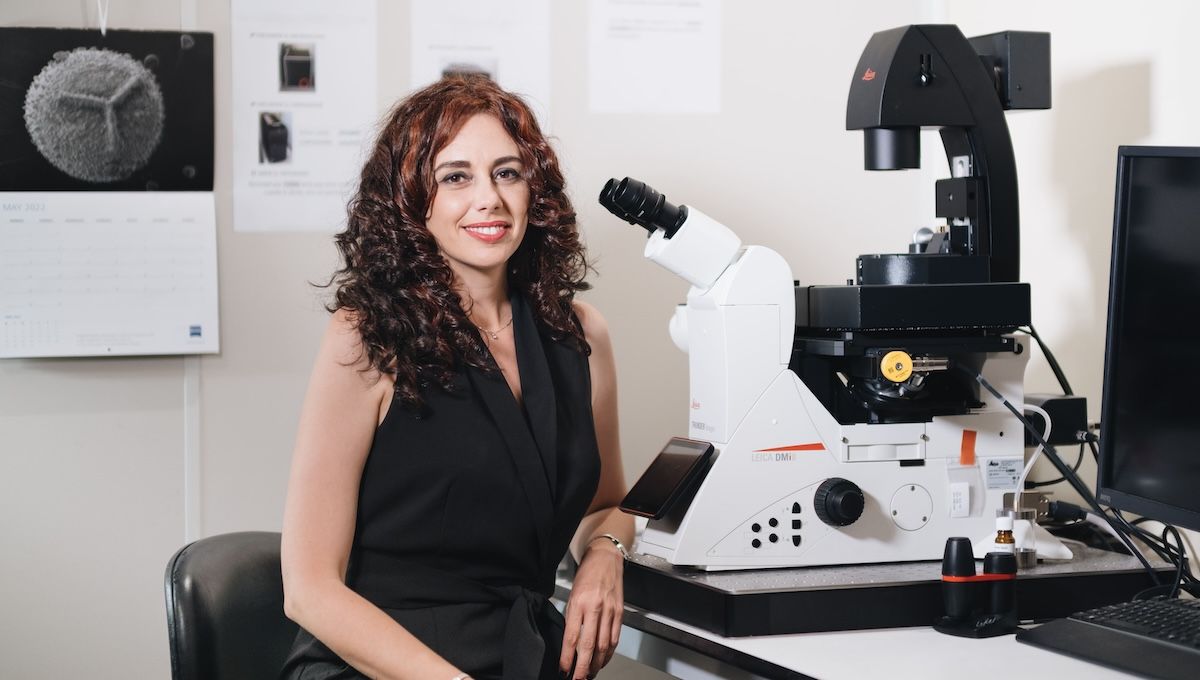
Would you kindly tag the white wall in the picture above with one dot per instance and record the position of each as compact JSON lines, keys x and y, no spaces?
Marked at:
{"x":91,"y":450}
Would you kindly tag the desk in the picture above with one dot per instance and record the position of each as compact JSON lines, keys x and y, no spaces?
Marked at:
{"x":694,"y":654}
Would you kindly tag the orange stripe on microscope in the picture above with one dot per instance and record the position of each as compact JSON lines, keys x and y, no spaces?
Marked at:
{"x":818,"y":446}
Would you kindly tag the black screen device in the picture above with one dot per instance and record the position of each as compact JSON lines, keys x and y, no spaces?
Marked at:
{"x":1149,"y":460}
{"x":675,"y":468}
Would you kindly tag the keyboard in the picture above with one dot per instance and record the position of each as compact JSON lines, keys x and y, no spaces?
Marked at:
{"x":1156,"y":638}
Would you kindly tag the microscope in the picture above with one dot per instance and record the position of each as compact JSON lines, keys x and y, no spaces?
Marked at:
{"x":844,"y":424}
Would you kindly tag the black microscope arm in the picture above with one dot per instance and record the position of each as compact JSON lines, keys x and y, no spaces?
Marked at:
{"x":915,"y":77}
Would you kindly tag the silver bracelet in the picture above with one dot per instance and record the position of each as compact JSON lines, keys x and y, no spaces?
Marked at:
{"x":615,"y":541}
{"x":462,"y":676}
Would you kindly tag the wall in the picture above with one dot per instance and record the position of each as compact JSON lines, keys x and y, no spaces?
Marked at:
{"x":1119,"y":78}
{"x":91,"y":450}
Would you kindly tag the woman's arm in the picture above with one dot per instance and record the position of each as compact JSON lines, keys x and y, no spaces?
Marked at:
{"x":597,"y":600}
{"x":342,"y":408}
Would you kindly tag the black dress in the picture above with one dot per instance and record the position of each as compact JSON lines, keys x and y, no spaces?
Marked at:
{"x":464,"y":514}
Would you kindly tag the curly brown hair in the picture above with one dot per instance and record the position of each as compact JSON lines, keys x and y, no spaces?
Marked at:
{"x":394,"y":282}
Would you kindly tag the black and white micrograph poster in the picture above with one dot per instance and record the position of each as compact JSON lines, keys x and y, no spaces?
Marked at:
{"x":125,"y":111}
{"x":107,"y":220}
{"x":304,"y":110}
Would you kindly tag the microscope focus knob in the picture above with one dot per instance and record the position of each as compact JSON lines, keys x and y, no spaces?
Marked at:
{"x":838,"y":502}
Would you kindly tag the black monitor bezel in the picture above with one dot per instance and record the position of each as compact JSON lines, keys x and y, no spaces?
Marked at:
{"x":1106,"y":494}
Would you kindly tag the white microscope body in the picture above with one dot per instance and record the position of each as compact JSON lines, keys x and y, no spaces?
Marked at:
{"x":790,"y":485}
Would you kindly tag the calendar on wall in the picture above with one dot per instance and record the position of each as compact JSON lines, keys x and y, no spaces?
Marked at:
{"x":107,"y":219}
{"x":107,"y":274}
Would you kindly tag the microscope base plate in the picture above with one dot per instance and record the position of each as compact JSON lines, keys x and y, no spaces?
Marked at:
{"x":813,"y":599}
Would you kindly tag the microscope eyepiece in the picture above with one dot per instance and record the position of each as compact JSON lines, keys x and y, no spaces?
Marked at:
{"x":637,"y":203}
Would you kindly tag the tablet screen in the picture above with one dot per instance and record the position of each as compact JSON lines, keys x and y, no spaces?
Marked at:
{"x":672,"y":471}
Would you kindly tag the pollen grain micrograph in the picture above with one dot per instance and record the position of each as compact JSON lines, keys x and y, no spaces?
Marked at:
{"x":95,"y":114}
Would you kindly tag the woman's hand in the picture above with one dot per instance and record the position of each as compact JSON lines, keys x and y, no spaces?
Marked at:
{"x":594,"y":612}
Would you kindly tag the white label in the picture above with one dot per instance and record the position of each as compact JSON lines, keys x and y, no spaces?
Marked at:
{"x":1002,"y":473}
{"x":960,"y":499}
{"x":1003,"y":547}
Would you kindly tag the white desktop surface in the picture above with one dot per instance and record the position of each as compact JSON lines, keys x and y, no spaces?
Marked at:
{"x":892,"y":653}
{"x":897,"y":653}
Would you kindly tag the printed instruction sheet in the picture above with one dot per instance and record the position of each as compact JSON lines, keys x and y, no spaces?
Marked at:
{"x":304,"y":110}
{"x":508,"y":42}
{"x":654,"y":56}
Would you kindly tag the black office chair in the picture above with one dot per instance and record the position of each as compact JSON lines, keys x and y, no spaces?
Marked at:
{"x":225,"y":608}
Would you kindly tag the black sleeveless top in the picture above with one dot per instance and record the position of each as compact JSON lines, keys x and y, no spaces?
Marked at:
{"x":465,"y":512}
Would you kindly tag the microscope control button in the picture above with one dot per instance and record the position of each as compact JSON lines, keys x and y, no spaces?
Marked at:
{"x":773,"y":522}
{"x":796,"y":540}
{"x":756,"y":527}
{"x":796,"y":524}
{"x":896,"y":366}
{"x":838,"y":502}
{"x":756,"y":543}
{"x":774,"y":538}
{"x":795,"y":508}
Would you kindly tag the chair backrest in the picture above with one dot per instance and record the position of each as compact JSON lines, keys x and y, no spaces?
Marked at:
{"x":225,"y":615}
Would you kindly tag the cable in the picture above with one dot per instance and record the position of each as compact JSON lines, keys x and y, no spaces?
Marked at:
{"x":1066,"y":388}
{"x":1182,"y":558}
{"x":1123,"y":529}
{"x":1058,"y":372}
{"x":1038,"y":451}
{"x":1051,"y":482}
{"x":1072,"y":478}
{"x":1164,"y":550}
{"x":1176,"y":554}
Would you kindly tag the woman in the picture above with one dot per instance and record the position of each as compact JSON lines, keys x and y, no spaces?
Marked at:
{"x":460,"y":425}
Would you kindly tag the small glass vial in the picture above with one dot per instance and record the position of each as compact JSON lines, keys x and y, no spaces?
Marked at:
{"x":1023,"y":531}
{"x":1004,"y":541}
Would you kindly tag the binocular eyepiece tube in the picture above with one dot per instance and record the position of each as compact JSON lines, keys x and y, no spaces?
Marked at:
{"x":639,"y":204}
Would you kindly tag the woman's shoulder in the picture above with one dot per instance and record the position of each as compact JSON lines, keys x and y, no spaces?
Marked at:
{"x":594,"y":325}
{"x":343,"y":337}
{"x":343,"y":380}
{"x":343,"y":345}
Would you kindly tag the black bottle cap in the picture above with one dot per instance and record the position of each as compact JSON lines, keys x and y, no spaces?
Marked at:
{"x":999,"y":563}
{"x":959,"y":558}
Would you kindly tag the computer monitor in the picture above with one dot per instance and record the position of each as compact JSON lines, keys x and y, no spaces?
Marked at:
{"x":1149,"y":423}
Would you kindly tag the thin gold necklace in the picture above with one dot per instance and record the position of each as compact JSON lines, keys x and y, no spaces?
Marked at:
{"x":495,"y":335}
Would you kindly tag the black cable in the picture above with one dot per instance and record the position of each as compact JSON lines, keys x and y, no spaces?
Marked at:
{"x":1159,"y":546}
{"x":1058,"y":372}
{"x":1052,"y":482}
{"x":1062,"y":510}
{"x":1168,"y":529}
{"x":1066,"y":388}
{"x":1071,"y":477}
{"x":1184,"y":579}
{"x":1162,"y":547}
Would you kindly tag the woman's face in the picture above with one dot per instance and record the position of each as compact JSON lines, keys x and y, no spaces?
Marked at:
{"x":479,"y":211}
